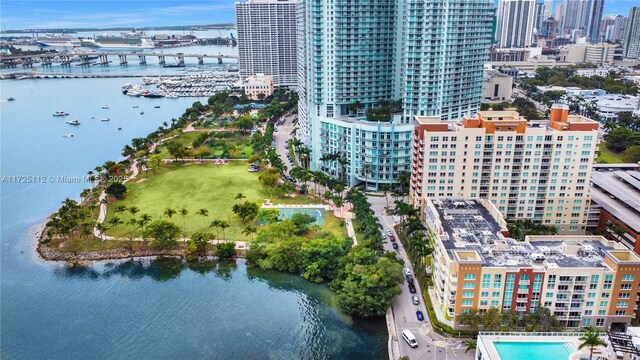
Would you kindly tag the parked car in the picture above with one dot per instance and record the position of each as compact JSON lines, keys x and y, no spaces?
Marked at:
{"x":395,"y":246}
{"x":409,"y":279}
{"x":392,"y":238}
{"x":412,"y":288}
{"x":390,"y":232}
{"x":415,"y":300}
{"x":407,"y":271}
{"x":419,"y":315}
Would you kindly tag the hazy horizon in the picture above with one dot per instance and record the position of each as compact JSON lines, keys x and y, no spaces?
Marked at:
{"x":71,"y":14}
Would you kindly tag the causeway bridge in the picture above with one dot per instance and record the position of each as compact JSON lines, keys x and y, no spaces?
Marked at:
{"x":103,"y":58}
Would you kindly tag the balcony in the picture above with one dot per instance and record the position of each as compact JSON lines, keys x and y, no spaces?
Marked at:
{"x":523,"y":291}
{"x":524,"y":282}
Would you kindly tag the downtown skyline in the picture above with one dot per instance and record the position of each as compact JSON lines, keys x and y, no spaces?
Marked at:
{"x":44,"y":14}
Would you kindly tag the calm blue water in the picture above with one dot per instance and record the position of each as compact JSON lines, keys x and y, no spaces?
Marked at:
{"x":534,"y":350}
{"x":142,"y":310}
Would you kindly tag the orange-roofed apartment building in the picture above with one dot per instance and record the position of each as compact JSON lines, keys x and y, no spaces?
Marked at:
{"x":538,"y":170}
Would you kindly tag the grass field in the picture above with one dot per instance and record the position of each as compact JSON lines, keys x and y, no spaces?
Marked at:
{"x":194,"y":186}
{"x":243,"y":144}
{"x":607,"y":156}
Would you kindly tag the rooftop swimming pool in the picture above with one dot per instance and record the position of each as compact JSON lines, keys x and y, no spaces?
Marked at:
{"x":534,"y":350}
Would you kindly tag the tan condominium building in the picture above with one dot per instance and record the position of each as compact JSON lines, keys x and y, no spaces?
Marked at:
{"x":537,"y":170}
{"x":258,"y":84}
{"x":583,"y":280}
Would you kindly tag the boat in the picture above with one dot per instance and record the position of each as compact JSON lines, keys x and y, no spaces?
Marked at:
{"x":68,"y":135}
{"x":58,"y":40}
{"x":136,"y":106}
{"x":11,"y":99}
{"x":73,"y":122}
{"x":105,"y":106}
{"x":105,"y":119}
{"x":60,"y":113}
{"x":157,"y":106}
{"x":126,"y":40}
{"x":141,"y":112}
{"x":119,"y":128}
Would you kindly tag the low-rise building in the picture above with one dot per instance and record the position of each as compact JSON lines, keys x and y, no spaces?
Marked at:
{"x":496,"y":86}
{"x":583,"y":280}
{"x":537,"y":170}
{"x":588,"y":53}
{"x":611,"y":105}
{"x":258,"y":84}
{"x":615,"y":199}
{"x":590,"y":72}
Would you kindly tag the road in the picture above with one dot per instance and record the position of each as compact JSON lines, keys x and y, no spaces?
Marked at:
{"x":281,"y":137}
{"x":430,"y":344}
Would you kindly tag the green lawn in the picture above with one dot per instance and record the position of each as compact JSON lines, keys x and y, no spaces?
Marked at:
{"x":194,"y":186}
{"x":607,"y":156}
{"x":185,"y":139}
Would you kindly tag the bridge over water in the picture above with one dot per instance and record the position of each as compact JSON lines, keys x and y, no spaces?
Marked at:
{"x":102,"y":58}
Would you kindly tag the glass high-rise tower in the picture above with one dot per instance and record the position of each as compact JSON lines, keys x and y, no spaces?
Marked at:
{"x":356,"y":57}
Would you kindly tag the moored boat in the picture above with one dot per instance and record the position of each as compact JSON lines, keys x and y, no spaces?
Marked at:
{"x":68,"y":135}
{"x":60,"y":113}
{"x":105,"y":106}
{"x":73,"y":122}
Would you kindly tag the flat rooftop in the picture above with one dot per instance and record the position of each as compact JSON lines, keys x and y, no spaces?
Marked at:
{"x":473,"y":235}
{"x":616,"y":188}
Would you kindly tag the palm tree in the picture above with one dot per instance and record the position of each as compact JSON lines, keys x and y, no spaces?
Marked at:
{"x":144,"y":220}
{"x":591,"y":339}
{"x":203,"y":212}
{"x":115,"y":221}
{"x":120,"y":209}
{"x":101,"y":227}
{"x":366,"y":170}
{"x":471,"y":345}
{"x":249,"y":231}
{"x":491,"y":319}
{"x":133,"y":210}
{"x":169,"y":212}
{"x":240,"y":196}
{"x":223,"y":225}
{"x":184,"y":212}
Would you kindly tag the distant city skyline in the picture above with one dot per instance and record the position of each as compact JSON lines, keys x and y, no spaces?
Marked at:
{"x":43,"y":14}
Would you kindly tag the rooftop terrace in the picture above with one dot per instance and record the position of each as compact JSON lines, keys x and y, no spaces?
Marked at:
{"x":472,"y":235}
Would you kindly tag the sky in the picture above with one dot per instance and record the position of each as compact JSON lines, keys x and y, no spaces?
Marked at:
{"x":39,"y":14}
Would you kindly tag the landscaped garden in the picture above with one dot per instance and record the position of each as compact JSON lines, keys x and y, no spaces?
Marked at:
{"x":164,"y":194}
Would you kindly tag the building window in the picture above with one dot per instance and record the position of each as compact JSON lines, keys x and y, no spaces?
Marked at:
{"x":599,"y":322}
{"x":486,"y":281}
{"x":469,"y":276}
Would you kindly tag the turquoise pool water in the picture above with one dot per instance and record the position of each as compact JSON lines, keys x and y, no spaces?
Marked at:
{"x":316,"y":213}
{"x":534,"y":350}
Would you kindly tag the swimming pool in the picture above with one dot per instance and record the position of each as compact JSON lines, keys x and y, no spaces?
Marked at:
{"x":315,"y":212}
{"x":534,"y":350}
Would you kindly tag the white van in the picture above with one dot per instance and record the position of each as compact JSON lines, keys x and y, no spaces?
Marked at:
{"x":409,"y":338}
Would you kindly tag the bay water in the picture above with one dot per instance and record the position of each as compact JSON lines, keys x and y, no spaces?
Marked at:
{"x":135,"y":309}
